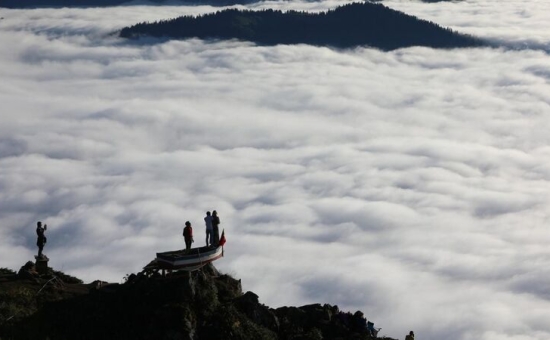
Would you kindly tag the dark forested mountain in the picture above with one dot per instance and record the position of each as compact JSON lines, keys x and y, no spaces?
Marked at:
{"x":357,"y":24}
{"x":107,"y":3}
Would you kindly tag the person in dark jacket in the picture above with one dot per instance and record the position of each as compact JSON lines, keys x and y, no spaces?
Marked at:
{"x":41,"y":238}
{"x":209,"y":229}
{"x":188,"y":235}
{"x":215,"y":227}
{"x":410,"y":336}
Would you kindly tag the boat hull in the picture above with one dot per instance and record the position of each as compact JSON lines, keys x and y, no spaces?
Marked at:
{"x":192,"y":260}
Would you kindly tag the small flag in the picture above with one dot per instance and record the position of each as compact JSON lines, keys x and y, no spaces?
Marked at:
{"x":222,"y":239}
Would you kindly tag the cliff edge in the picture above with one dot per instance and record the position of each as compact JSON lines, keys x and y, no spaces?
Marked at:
{"x":198,"y":305}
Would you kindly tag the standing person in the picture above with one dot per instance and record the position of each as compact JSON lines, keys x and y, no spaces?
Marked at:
{"x":188,"y":236}
{"x":215,"y":227}
{"x":41,"y":238}
{"x":209,"y":229}
{"x":410,"y":336}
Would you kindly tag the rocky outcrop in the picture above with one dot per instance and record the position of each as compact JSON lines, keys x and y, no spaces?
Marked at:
{"x":28,"y":272}
{"x":192,"y":306}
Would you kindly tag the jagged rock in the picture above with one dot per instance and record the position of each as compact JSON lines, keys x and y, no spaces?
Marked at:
{"x":209,"y":269}
{"x":28,"y":271}
{"x":307,"y":322}
{"x":258,"y":313}
{"x":228,"y":288}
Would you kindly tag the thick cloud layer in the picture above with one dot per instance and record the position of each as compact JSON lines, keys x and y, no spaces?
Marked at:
{"x":515,"y":24}
{"x":412,"y":185}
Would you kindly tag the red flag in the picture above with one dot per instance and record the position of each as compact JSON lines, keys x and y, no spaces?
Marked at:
{"x":222,"y":239}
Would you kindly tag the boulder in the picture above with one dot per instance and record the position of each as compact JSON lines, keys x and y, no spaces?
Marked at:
{"x":28,"y":271}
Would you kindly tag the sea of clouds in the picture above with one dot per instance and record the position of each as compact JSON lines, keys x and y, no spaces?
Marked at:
{"x":413,"y":185}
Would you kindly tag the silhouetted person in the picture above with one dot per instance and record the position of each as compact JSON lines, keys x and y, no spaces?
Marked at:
{"x":410,"y":336}
{"x":359,"y":321}
{"x":41,"y":238}
{"x":188,"y":236}
{"x":209,"y":229}
{"x":215,"y":227}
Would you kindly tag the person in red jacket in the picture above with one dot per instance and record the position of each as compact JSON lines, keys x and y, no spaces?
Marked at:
{"x":188,"y":235}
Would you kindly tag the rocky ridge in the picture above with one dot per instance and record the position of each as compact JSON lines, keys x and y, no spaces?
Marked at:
{"x":204,"y":304}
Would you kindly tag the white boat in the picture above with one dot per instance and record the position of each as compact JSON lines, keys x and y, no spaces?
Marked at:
{"x":192,"y":260}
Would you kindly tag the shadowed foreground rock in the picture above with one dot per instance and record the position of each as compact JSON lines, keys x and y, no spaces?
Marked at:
{"x":198,"y":305}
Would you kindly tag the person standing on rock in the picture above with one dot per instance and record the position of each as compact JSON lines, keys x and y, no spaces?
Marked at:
{"x":215,"y":227}
{"x":209,"y":229}
{"x":41,"y":238}
{"x":188,"y":236}
{"x":410,"y":336}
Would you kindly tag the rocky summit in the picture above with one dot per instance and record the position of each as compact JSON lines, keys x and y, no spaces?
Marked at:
{"x":203,"y":304}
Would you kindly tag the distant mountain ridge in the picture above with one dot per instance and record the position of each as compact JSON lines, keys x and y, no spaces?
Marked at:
{"x":357,"y":24}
